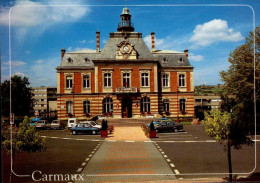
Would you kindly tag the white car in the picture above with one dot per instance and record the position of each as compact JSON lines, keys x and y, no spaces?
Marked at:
{"x":92,"y":123}
{"x":72,"y":122}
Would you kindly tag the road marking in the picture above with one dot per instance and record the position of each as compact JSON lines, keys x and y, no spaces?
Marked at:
{"x":148,"y":141}
{"x":168,"y":160}
{"x":162,"y":152}
{"x":43,"y":136}
{"x":94,"y":140}
{"x":93,"y":152}
{"x":54,"y":137}
{"x":129,"y":141}
{"x":66,"y":138}
{"x":165,"y":156}
{"x":80,"y":169}
{"x":79,"y":139}
{"x":90,"y":155}
{"x":172,"y":165}
{"x":181,"y":178}
{"x":160,"y":149}
{"x":83,"y":164}
{"x":111,"y":140}
{"x":87,"y":159}
{"x":176,"y":172}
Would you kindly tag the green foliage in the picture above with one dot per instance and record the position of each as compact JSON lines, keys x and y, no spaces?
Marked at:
{"x":239,"y":81}
{"x":24,"y":138}
{"x":207,"y":90}
{"x":21,"y":96}
{"x":225,"y":128}
{"x":217,"y":125}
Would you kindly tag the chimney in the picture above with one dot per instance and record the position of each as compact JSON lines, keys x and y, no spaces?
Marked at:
{"x":186,"y":52}
{"x":153,"y":42}
{"x":98,"y":41}
{"x":62,"y":53}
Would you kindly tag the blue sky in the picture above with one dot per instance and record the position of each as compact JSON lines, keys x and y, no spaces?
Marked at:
{"x":210,"y":30}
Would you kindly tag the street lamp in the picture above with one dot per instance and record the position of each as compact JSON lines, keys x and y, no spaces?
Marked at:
{"x":178,"y":120}
{"x":73,"y":92}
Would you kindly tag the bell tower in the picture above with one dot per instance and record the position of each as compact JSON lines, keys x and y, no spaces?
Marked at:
{"x":125,"y":25}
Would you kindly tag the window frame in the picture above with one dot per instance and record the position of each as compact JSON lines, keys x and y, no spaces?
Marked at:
{"x":69,"y":82}
{"x":69,"y":107}
{"x":145,"y":80}
{"x":86,"y":106}
{"x":145,"y":104}
{"x":107,"y":80}
{"x":166,"y":81}
{"x":182,"y":103}
{"x":182,"y":80}
{"x":107,"y":105}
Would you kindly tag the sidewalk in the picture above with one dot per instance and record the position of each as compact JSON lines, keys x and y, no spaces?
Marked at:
{"x":127,"y":162}
{"x":133,"y":133}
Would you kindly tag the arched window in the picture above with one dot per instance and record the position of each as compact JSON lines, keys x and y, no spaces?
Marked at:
{"x":107,"y":105}
{"x":166,"y":105}
{"x":145,"y":104}
{"x":182,"y":104}
{"x":86,"y":106}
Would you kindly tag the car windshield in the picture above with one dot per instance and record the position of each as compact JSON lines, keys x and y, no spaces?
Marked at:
{"x":93,"y":123}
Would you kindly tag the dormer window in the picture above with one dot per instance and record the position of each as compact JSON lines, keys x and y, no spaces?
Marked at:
{"x":165,"y":60}
{"x":70,"y":59}
{"x":181,"y":60}
{"x":86,"y":59}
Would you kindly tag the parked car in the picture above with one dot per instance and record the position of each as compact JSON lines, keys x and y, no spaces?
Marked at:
{"x":42,"y":124}
{"x":84,"y":128}
{"x":168,"y":126}
{"x":56,"y":124}
{"x":72,"y":122}
{"x":92,"y":123}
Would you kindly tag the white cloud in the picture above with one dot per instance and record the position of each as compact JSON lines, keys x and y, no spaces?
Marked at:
{"x":19,"y":74}
{"x":27,"y":52}
{"x":216,"y":30}
{"x":39,"y":61}
{"x":196,"y":58}
{"x":158,"y":42}
{"x":27,"y":13}
{"x":15,"y":63}
{"x":70,"y":49}
{"x":82,"y":41}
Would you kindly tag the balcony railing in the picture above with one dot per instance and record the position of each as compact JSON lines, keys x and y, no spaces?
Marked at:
{"x":126,"y":90}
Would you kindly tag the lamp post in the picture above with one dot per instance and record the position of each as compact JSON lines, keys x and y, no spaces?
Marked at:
{"x":73,"y":99}
{"x":178,"y":121}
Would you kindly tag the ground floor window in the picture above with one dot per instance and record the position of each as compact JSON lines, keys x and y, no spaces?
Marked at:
{"x":145,"y":104}
{"x":182,"y":104}
{"x":107,"y":105}
{"x":69,"y":105}
{"x":166,"y":105}
{"x":86,"y":105}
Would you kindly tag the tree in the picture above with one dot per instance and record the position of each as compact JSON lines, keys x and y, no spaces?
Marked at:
{"x":24,"y":138}
{"x":21,"y":96}
{"x":225,"y":129}
{"x":239,"y":80}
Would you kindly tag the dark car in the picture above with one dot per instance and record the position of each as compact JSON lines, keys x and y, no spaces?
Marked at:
{"x":168,"y":126}
{"x":84,"y":128}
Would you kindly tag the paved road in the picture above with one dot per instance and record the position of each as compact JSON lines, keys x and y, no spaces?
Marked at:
{"x":191,"y":153}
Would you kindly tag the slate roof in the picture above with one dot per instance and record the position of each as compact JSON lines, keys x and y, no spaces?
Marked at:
{"x":84,"y":58}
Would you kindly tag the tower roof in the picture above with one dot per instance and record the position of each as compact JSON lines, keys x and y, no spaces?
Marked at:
{"x":125,"y":25}
{"x":125,"y":11}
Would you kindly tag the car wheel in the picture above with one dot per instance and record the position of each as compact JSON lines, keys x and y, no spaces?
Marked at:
{"x":74,"y":132}
{"x":94,"y":132}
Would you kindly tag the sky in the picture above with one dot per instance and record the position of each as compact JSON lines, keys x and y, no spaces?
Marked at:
{"x":209,"y":29}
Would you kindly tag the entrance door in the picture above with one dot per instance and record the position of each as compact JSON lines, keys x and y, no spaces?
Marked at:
{"x":126,"y":108}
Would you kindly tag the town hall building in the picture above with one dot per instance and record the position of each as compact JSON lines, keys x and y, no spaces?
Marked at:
{"x":125,"y":79}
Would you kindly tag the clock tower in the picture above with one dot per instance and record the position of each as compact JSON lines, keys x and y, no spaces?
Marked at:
{"x":125,"y":25}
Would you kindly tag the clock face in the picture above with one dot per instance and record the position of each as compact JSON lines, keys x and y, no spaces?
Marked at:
{"x":126,"y":49}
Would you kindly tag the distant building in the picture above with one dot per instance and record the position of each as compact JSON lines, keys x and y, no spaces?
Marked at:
{"x":45,"y":101}
{"x":204,"y":103}
{"x":125,"y":79}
